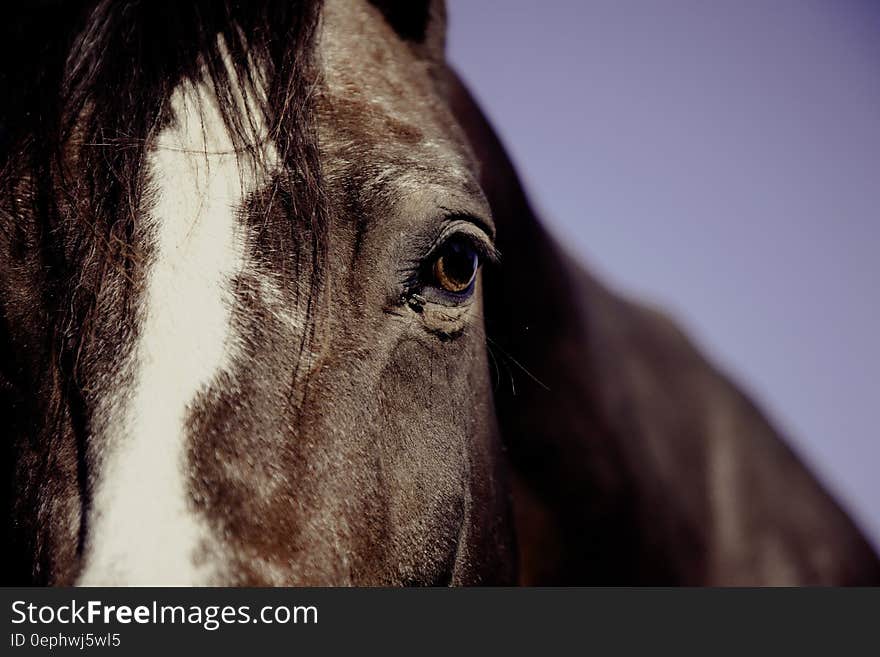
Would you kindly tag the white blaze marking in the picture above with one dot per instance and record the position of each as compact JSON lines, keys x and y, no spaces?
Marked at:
{"x":143,"y":529}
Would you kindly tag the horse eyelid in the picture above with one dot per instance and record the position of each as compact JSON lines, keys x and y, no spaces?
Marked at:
{"x":474,"y":231}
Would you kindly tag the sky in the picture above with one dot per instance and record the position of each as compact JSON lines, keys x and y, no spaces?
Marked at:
{"x":722,"y":159}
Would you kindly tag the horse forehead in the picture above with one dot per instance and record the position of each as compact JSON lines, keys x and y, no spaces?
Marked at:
{"x":380,"y":100}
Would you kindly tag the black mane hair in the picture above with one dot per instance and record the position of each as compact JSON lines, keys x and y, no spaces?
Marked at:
{"x":103,"y":72}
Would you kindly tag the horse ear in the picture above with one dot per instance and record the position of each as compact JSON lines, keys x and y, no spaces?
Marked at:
{"x":632,"y":459}
{"x":422,"y":23}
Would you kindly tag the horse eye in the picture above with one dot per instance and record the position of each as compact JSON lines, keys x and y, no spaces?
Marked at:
{"x":455,"y":267}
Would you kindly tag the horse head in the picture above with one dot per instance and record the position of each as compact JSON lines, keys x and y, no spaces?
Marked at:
{"x":274,"y":309}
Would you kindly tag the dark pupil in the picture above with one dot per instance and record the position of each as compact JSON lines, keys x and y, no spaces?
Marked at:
{"x":459,"y":263}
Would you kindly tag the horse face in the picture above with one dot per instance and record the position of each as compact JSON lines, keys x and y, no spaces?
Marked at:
{"x":397,"y":447}
{"x":270,"y":398}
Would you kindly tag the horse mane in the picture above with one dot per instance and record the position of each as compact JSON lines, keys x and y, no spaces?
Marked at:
{"x":106,"y":69}
{"x":86,"y":85}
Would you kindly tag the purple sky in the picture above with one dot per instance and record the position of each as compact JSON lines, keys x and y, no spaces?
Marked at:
{"x":723,"y":159}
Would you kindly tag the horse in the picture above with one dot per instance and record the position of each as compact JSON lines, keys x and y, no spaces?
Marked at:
{"x":275,"y":310}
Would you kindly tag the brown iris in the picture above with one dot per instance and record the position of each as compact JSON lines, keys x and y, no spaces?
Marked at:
{"x":456,"y":266}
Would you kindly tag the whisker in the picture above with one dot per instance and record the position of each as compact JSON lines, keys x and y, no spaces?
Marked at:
{"x":518,"y":364}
